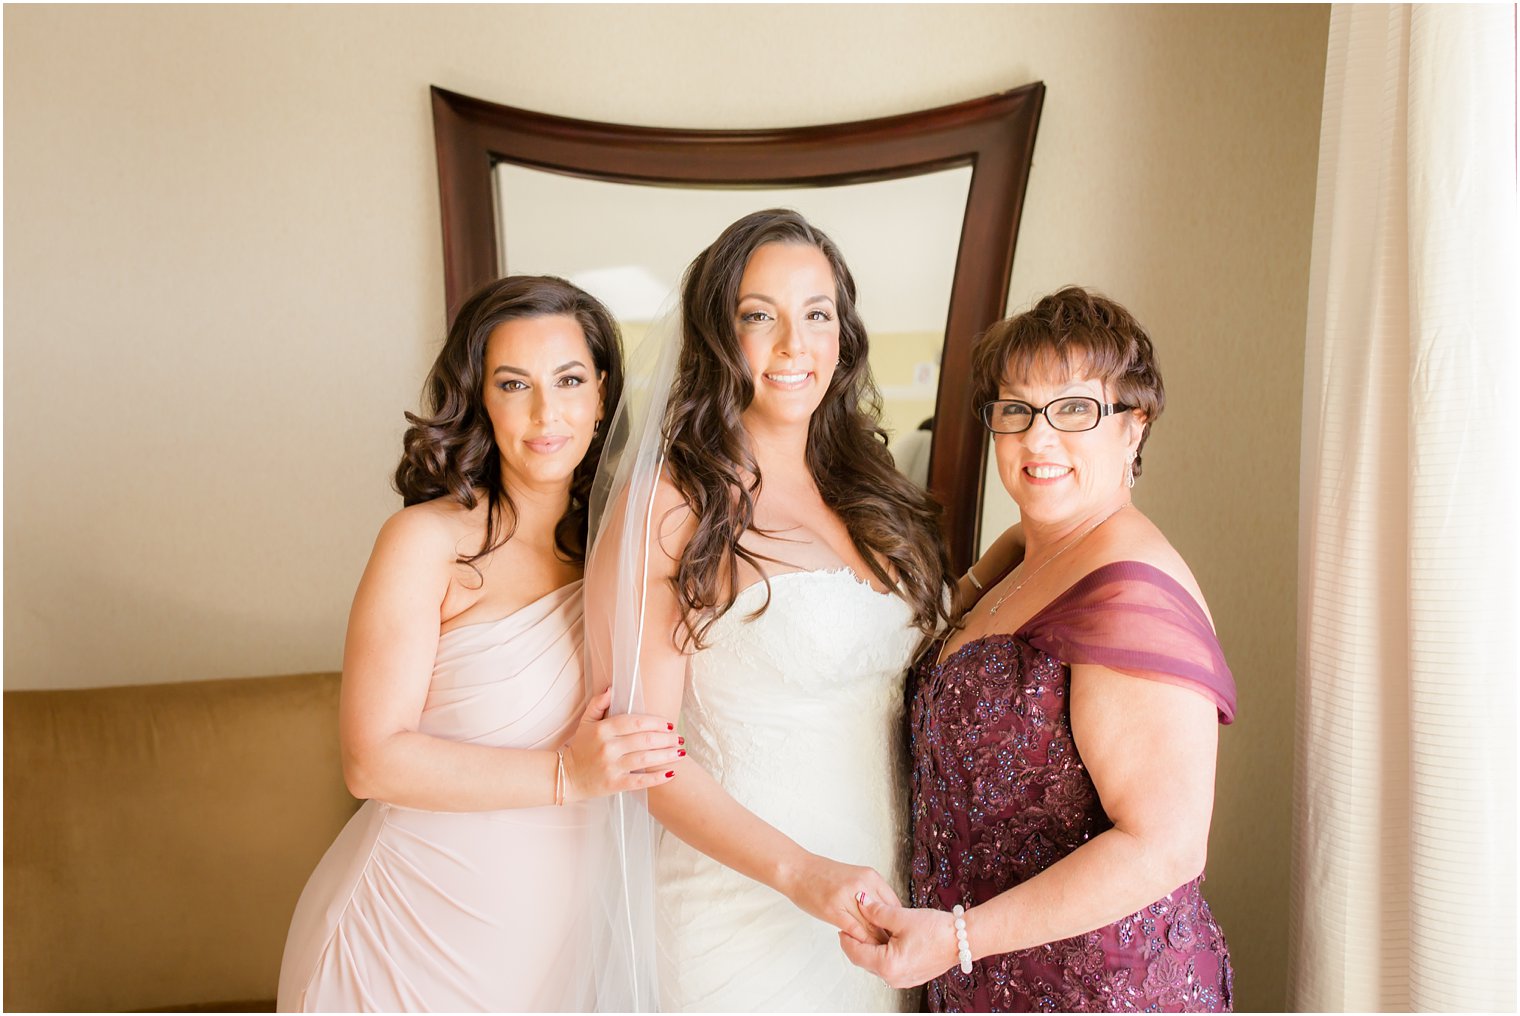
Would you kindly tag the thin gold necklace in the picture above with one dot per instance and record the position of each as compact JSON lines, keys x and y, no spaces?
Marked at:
{"x":1085,"y":533}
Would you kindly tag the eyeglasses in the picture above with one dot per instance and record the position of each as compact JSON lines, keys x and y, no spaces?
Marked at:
{"x":1072,"y":414}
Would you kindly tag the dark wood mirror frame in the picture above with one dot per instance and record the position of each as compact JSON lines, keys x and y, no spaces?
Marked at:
{"x":994,"y":135}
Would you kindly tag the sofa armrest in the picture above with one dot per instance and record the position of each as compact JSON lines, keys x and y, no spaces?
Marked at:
{"x":157,"y":837}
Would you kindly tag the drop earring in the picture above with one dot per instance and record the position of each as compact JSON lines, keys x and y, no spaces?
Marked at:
{"x":1129,"y":471}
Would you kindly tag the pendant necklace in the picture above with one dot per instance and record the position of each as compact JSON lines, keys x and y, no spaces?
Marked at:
{"x":1085,"y":533}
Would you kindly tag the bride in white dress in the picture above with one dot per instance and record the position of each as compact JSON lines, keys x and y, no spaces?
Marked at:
{"x":791,"y":575}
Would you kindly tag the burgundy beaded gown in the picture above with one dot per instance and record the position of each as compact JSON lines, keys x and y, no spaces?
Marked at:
{"x":1000,"y":794}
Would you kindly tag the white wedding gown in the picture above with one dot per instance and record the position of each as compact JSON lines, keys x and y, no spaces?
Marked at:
{"x":798,"y":715}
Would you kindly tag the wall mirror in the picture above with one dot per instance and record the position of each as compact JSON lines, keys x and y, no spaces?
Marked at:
{"x":924,"y":206}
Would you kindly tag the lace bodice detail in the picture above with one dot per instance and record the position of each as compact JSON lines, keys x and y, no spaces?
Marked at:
{"x":803,"y":695}
{"x":828,"y":631}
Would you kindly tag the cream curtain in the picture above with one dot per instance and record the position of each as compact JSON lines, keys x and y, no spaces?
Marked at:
{"x":1403,"y":892}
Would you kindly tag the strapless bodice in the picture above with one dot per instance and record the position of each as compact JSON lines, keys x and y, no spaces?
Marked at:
{"x":801,"y":706}
{"x":515,"y":682}
{"x":797,"y":713}
{"x":824,"y":634}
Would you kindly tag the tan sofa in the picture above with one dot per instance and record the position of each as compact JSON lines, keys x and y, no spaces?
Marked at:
{"x":157,"y":837}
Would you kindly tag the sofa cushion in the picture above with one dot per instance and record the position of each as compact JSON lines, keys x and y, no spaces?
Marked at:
{"x":157,"y":837}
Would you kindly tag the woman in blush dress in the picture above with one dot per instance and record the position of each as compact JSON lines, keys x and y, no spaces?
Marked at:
{"x":792,"y":575}
{"x":1064,"y":738}
{"x":460,"y":883}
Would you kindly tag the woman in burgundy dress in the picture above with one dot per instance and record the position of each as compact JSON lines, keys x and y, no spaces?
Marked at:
{"x":1064,"y":738}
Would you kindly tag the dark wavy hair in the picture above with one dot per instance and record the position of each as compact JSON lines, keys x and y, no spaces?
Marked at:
{"x":449,"y":450}
{"x":889,"y":518}
{"x":1073,"y":327}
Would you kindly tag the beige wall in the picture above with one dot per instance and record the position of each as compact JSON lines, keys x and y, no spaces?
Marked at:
{"x":223,"y":285}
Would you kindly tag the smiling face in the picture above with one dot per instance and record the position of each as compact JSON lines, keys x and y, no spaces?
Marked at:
{"x":543,"y":395}
{"x":787,"y":324}
{"x":1060,"y":478}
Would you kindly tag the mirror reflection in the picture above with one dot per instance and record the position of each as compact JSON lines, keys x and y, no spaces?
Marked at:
{"x":628,"y":244}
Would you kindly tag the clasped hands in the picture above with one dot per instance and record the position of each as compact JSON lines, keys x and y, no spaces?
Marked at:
{"x":903,"y":946}
{"x":909,"y":945}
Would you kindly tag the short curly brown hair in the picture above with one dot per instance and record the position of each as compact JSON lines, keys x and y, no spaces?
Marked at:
{"x":1073,"y":329}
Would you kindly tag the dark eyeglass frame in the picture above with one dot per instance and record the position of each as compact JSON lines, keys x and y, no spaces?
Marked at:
{"x":1104,"y":409}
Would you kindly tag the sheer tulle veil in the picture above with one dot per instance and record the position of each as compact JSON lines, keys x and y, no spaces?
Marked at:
{"x":621,"y":883}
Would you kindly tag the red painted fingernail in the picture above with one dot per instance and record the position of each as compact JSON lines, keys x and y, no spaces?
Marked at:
{"x":681,"y":753}
{"x":670,"y":774}
{"x":670,"y":726}
{"x":680,"y":740}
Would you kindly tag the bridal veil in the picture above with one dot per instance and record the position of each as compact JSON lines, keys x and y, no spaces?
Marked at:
{"x":622,"y":946}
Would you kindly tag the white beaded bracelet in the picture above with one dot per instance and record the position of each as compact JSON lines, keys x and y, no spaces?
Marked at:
{"x":962,"y":947}
{"x":971,"y":574}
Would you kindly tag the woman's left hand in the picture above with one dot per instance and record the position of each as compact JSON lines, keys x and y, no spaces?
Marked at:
{"x":920,"y":943}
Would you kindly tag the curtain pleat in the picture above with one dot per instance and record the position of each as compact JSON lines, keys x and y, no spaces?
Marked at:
{"x":1403,"y":887}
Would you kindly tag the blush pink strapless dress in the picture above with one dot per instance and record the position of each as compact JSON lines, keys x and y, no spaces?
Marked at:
{"x":415,"y":910}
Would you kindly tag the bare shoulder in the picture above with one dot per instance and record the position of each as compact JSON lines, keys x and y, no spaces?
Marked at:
{"x":1132,"y":536}
{"x":667,"y":496}
{"x":431,"y":530}
{"x":412,"y":565}
{"x":673,"y":518}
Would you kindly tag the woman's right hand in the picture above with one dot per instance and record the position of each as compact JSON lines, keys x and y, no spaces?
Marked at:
{"x":829,"y":890}
{"x":607,"y":755}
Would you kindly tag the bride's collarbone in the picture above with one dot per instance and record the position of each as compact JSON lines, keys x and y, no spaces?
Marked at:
{"x":800,"y":549}
{"x":797,"y":531}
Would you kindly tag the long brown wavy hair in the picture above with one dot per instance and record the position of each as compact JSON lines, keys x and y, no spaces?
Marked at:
{"x":889,"y":518}
{"x":449,"y":450}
